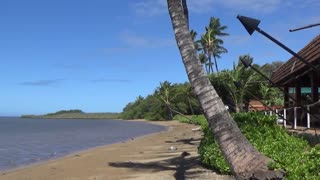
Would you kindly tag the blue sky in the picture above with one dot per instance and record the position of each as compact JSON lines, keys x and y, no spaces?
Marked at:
{"x":98,"y":55}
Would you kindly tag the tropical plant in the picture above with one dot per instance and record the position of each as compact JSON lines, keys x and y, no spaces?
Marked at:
{"x":271,"y":96}
{"x":235,"y":86}
{"x":293,"y":154}
{"x":210,"y":44}
{"x":240,"y":83}
{"x":244,"y":160}
{"x":167,"y":100}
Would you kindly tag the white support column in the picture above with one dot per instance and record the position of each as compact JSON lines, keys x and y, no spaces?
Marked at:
{"x":285,"y":118}
{"x":308,"y":117}
{"x":295,"y":118}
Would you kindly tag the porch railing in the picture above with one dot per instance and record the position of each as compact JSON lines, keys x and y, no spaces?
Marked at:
{"x":315,"y":107}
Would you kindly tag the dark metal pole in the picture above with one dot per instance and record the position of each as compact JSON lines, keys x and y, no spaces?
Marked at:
{"x":274,"y":84}
{"x":286,"y":48}
{"x":304,"y":27}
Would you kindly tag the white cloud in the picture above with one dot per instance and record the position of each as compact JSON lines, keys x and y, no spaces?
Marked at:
{"x":134,"y":40}
{"x":236,"y":40}
{"x":150,"y":7}
{"x":262,"y":6}
{"x":48,"y":82}
{"x":158,"y":7}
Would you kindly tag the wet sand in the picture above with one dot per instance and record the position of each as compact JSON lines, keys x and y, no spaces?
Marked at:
{"x":167,"y":155}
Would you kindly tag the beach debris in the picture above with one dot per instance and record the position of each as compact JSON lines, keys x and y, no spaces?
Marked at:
{"x":196,"y":129}
{"x":184,"y":154}
{"x":172,"y":148}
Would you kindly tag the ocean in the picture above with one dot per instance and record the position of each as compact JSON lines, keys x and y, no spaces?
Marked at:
{"x":26,"y":141}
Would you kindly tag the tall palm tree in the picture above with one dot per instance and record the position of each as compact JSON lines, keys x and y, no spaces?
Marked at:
{"x":217,"y":51}
{"x":208,"y":42}
{"x":244,"y":160}
{"x":204,"y":60}
{"x":211,"y":44}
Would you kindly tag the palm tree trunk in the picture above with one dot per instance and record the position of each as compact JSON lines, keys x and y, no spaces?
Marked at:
{"x":210,"y":65}
{"x":190,"y":106}
{"x":215,"y":62}
{"x":244,"y":160}
{"x":206,"y":66}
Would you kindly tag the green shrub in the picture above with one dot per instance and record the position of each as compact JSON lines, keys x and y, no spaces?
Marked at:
{"x":193,"y":119}
{"x":210,"y":153}
{"x":292,"y":154}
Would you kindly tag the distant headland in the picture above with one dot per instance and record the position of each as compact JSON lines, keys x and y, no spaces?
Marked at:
{"x":74,"y":114}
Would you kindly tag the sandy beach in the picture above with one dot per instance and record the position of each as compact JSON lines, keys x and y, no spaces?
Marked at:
{"x":170,"y":154}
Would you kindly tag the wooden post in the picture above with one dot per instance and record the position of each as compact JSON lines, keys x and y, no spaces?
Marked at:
{"x":286,"y":97}
{"x":314,"y":79}
{"x":308,"y":117}
{"x":298,"y":101}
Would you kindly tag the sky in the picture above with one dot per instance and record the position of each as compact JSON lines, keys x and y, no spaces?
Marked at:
{"x":98,"y":55}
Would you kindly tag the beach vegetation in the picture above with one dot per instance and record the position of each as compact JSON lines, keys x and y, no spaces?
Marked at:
{"x":164,"y":103}
{"x":291,"y":153}
{"x":244,"y":161}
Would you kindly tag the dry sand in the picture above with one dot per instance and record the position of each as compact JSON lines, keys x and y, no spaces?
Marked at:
{"x":145,"y":158}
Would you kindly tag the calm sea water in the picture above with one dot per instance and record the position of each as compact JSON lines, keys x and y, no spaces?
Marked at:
{"x":26,"y":141}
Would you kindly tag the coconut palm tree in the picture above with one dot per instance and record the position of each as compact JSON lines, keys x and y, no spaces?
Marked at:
{"x":217,"y":51}
{"x":208,"y":43}
{"x":244,"y":160}
{"x":217,"y":30}
{"x":211,"y":45}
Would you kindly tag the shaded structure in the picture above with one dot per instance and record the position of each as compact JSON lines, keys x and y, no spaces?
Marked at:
{"x":302,"y":82}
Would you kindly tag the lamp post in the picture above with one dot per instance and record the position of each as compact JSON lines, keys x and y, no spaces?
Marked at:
{"x":251,"y":25}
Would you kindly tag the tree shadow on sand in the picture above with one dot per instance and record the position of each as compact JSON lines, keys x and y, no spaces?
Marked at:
{"x":190,"y":141}
{"x":179,"y":164}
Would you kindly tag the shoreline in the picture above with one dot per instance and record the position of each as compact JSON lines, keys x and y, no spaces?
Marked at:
{"x":144,"y":157}
{"x":75,"y":153}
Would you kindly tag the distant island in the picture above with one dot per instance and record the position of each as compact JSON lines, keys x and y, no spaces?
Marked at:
{"x":74,"y":114}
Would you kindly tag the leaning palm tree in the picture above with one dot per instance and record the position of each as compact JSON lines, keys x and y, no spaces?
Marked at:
{"x":244,"y":160}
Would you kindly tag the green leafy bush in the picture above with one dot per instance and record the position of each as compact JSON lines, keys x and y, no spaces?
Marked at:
{"x":290,"y":153}
{"x":163,"y":103}
{"x":193,"y":119}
